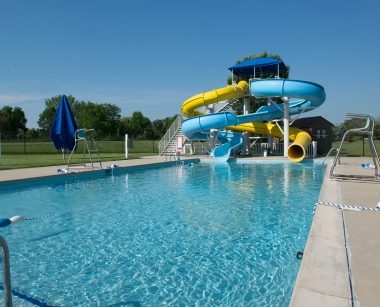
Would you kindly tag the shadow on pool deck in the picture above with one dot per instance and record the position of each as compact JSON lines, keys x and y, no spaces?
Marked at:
{"x":324,"y":278}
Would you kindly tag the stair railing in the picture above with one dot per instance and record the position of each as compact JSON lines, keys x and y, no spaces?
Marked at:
{"x":225,"y":106}
{"x":170,"y":133}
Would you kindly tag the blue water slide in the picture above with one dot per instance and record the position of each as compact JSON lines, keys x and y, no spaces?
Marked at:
{"x":310,"y":96}
{"x":231,"y":143}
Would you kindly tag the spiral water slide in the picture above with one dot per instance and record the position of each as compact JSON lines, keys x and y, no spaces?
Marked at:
{"x":198,"y":125}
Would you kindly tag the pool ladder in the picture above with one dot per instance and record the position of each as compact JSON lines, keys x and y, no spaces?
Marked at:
{"x":6,"y":274}
{"x":366,"y":130}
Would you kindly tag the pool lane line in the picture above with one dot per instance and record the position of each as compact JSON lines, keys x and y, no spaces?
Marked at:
{"x":27,"y":298}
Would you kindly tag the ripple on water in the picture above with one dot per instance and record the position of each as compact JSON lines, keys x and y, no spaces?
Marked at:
{"x":170,"y":236}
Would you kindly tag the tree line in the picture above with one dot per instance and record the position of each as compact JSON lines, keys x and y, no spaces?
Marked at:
{"x":108,"y":123}
{"x":353,"y":123}
{"x":105,"y":118}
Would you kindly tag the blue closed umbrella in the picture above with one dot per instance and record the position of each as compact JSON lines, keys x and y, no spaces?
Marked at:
{"x":62,"y":132}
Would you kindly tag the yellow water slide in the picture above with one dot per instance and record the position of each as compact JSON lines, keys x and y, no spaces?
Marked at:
{"x":204,"y":99}
{"x":300,"y":139}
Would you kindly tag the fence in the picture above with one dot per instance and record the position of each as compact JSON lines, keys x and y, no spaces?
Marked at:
{"x":278,"y":150}
{"x":46,"y":147}
{"x":256,"y":150}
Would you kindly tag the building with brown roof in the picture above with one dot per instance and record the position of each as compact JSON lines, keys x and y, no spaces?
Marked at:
{"x":320,"y":130}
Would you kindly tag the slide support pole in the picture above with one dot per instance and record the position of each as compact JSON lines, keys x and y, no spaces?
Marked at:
{"x":246,"y":107}
{"x":286,"y":125}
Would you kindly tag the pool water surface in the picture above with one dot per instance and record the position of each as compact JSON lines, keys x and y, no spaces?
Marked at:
{"x":204,"y":234}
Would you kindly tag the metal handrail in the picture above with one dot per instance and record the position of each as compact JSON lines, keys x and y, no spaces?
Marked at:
{"x":367,"y":130}
{"x":6,"y":273}
{"x":225,"y":106}
{"x":332,"y":149}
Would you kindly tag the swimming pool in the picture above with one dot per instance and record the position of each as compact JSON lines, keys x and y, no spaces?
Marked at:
{"x":206,"y":234}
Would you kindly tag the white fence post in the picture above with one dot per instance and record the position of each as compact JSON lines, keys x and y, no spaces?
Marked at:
{"x":126,"y":146}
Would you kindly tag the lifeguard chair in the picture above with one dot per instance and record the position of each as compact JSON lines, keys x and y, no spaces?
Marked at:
{"x":90,"y":148}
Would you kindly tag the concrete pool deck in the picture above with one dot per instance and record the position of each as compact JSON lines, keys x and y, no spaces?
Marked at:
{"x":340,"y":265}
{"x":339,"y":242}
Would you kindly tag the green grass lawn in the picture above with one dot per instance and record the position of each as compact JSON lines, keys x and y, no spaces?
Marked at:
{"x":143,"y":146}
{"x":357,"y":148}
{"x":36,"y":154}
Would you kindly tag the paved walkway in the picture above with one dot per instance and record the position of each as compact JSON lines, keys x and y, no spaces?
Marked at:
{"x":340,"y":241}
{"x":47,"y":171}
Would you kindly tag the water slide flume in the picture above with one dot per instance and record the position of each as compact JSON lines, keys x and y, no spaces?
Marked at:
{"x":311,"y":96}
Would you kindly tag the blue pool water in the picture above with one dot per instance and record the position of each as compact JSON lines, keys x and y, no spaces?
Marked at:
{"x":192,"y":235}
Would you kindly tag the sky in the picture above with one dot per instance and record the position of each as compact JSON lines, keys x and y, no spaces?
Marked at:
{"x":150,"y":56}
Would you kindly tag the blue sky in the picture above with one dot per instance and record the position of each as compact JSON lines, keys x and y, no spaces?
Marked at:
{"x":150,"y":56}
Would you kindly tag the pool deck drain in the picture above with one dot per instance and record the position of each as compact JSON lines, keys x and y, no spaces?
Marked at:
{"x":338,"y":239}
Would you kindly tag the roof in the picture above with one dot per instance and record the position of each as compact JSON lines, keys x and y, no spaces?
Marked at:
{"x":258,"y":66}
{"x":309,"y":121}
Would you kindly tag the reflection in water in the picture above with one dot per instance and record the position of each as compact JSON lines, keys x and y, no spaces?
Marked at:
{"x":180,"y":172}
{"x":126,"y":182}
{"x":286,"y":183}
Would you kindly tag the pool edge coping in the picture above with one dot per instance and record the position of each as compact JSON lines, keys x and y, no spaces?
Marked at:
{"x":323,"y":276}
{"x":87,"y":172}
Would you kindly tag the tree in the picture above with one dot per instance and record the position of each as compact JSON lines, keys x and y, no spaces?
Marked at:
{"x":46,"y":118}
{"x":104,"y":117}
{"x":376,"y":131}
{"x":32,"y":134}
{"x":138,"y":126}
{"x":341,"y":129}
{"x":255,"y":102}
{"x":12,"y":121}
{"x":160,"y":126}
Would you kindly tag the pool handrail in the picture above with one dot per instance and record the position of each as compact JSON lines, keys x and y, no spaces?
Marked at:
{"x":6,"y":273}
{"x":367,"y":129}
{"x":332,"y":149}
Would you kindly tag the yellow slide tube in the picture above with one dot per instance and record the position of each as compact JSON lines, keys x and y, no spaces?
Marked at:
{"x":228,"y":92}
{"x":297,"y":150}
{"x":300,"y":138}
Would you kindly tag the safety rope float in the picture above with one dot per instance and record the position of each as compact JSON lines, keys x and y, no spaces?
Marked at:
{"x":18,"y":218}
{"x":341,"y":206}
